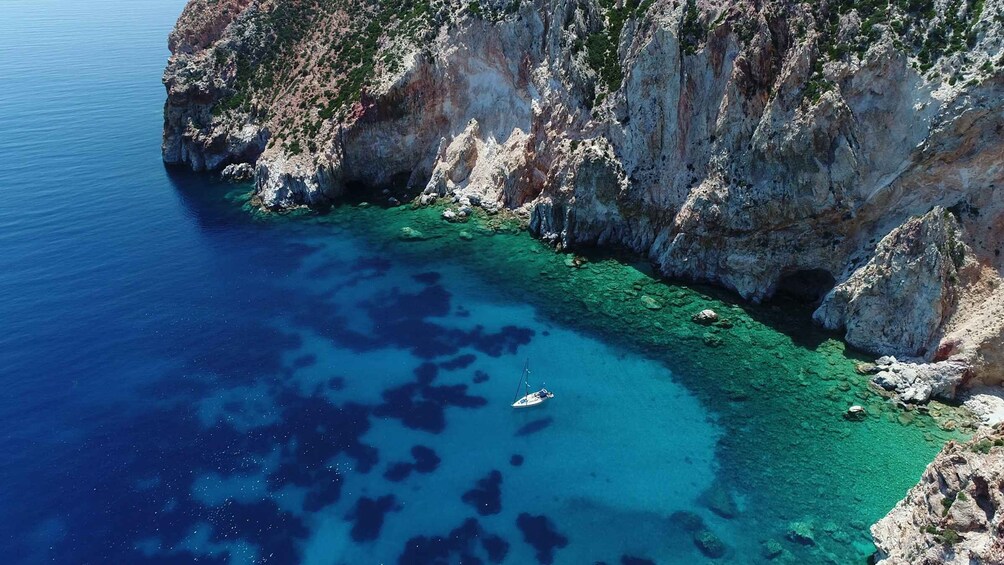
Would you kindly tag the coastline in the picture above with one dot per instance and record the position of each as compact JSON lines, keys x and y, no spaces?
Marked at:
{"x":772,"y":378}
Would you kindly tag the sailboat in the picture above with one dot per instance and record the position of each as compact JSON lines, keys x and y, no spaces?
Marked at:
{"x":529,"y":398}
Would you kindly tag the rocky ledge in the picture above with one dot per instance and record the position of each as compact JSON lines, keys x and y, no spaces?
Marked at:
{"x":955,"y":515}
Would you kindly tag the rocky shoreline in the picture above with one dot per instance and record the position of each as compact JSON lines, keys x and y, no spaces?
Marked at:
{"x":848,"y":155}
{"x":728,"y":143}
{"x":953,"y":516}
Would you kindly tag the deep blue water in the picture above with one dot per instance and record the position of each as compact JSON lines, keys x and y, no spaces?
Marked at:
{"x":183,"y":382}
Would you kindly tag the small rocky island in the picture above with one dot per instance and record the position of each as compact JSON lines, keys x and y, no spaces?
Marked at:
{"x":849,"y":153}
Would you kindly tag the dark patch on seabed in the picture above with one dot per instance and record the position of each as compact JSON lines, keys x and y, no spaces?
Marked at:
{"x":461,"y":362}
{"x":311,"y":431}
{"x":534,"y":426}
{"x":486,"y":496}
{"x":464,"y":544}
{"x":368,"y":517}
{"x":539,"y":532}
{"x":420,"y":405}
{"x":426,"y":461}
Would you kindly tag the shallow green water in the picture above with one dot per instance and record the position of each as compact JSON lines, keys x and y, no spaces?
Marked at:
{"x":775,"y":383}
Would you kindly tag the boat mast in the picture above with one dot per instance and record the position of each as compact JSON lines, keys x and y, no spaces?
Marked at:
{"x":523,"y":378}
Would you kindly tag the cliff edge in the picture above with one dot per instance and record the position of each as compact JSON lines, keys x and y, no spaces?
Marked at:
{"x":847,"y":152}
{"x":955,"y":515}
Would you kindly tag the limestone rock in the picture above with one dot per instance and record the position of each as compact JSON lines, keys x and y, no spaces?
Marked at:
{"x":955,"y":514}
{"x":409,"y":233}
{"x":650,"y":303}
{"x":899,"y":299}
{"x":709,"y":543}
{"x":985,"y":403}
{"x":875,"y":186}
{"x":705,"y":317}
{"x":855,"y":413}
{"x":801,"y":532}
{"x":238,"y":172}
{"x":918,"y":383}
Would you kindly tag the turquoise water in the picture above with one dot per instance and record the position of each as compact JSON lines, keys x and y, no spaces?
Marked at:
{"x":185,"y":380}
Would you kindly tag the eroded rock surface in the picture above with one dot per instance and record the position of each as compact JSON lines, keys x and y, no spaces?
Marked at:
{"x":919,"y":382}
{"x":955,"y":515}
{"x":841,"y":150}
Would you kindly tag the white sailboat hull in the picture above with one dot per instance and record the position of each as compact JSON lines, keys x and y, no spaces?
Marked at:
{"x":532,"y":399}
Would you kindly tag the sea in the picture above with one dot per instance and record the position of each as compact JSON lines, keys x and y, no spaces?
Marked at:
{"x":188,"y":380}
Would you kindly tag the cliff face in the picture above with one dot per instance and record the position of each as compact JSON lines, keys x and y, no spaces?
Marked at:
{"x":956,"y":514}
{"x":849,"y":153}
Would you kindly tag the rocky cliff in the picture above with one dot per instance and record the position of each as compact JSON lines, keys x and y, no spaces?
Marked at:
{"x":848,"y":152}
{"x":956,"y":514}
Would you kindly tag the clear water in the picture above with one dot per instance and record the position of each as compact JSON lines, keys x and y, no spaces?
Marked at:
{"x":185,"y":380}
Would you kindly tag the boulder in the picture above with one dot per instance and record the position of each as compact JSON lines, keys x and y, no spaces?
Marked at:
{"x":772,"y":549}
{"x":238,"y":172}
{"x":409,"y":233}
{"x":709,"y":543}
{"x":706,"y":317}
{"x":855,"y":413}
{"x":801,"y":532}
{"x":719,"y":500}
{"x":650,"y":303}
{"x":917,"y":383}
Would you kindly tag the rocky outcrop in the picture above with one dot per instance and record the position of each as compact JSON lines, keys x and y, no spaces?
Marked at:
{"x":920,"y":382}
{"x":824,"y":149}
{"x":955,"y":515}
{"x":238,"y":172}
{"x":897,"y":301}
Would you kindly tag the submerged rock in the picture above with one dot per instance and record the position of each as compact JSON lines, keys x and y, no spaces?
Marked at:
{"x":687,"y":521}
{"x":865,"y":368}
{"x":712,"y":339}
{"x":709,"y":543}
{"x":718,"y":498}
{"x":801,"y":532}
{"x":772,"y":549}
{"x":855,"y":413}
{"x":408,"y":233}
{"x":706,"y":317}
{"x":650,"y":303}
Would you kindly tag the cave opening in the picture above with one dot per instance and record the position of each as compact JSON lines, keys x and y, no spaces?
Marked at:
{"x":806,"y":285}
{"x":394,"y":192}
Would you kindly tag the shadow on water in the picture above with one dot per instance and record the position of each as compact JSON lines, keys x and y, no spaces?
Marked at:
{"x":788,"y":311}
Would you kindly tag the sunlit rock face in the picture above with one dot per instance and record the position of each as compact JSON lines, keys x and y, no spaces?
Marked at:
{"x":954,"y":515}
{"x":752,"y":145}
